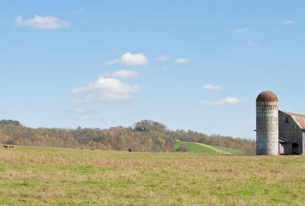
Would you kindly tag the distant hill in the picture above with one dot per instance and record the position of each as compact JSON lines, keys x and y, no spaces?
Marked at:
{"x":143,"y":136}
{"x":7,"y":122}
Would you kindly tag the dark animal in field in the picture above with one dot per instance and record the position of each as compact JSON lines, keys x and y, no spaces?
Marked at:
{"x":129,"y":150}
{"x":8,"y":146}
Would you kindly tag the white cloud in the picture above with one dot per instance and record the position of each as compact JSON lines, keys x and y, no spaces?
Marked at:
{"x":241,"y":31}
{"x":183,"y":60}
{"x":78,"y":110}
{"x":81,"y":111}
{"x":85,"y":117}
{"x":228,"y":100}
{"x":162,"y":58}
{"x":211,"y":87}
{"x":130,"y":59}
{"x":123,"y":74}
{"x":105,"y":89}
{"x":288,"y":22}
{"x":40,"y":22}
{"x":106,"y":85}
{"x":250,"y":44}
{"x":164,"y":69}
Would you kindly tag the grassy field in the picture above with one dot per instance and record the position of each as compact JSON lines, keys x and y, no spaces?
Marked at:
{"x":203,"y":148}
{"x":49,"y":176}
{"x":195,"y":148}
{"x":229,"y":150}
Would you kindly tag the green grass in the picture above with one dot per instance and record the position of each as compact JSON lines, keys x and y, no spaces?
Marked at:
{"x":229,"y":150}
{"x":202,"y":148}
{"x":50,"y":176}
{"x":193,"y":147}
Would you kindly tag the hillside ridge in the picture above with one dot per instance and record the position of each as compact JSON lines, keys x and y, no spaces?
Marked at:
{"x":143,"y":136}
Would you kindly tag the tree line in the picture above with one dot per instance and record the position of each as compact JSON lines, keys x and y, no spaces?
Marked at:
{"x":144,"y":136}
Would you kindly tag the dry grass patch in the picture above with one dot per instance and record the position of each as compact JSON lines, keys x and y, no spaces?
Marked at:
{"x":50,"y":176}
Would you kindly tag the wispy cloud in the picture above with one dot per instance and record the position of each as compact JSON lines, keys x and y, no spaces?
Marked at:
{"x":82,"y":114}
{"x":123,"y":74}
{"x":183,"y":60}
{"x":288,"y":22}
{"x":130,"y":60}
{"x":250,"y":44}
{"x":42,"y":22}
{"x":105,"y":89}
{"x":164,"y":69}
{"x":78,"y":110}
{"x":241,"y":31}
{"x":162,"y":58}
{"x":228,"y":100}
{"x":211,"y":87}
{"x":81,"y":111}
{"x":84,"y":117}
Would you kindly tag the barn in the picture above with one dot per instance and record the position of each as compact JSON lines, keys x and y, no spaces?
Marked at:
{"x":278,"y":132}
{"x":291,"y":133}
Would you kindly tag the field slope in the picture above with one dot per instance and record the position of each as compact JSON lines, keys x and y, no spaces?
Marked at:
{"x":204,"y":148}
{"x":51,"y":176}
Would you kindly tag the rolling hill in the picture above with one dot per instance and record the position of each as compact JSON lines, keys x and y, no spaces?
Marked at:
{"x":196,"y":147}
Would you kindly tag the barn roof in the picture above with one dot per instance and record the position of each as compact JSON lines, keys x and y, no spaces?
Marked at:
{"x":298,"y":118}
{"x":281,"y":139}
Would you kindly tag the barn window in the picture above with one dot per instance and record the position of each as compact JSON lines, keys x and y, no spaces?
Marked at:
{"x":286,"y":119}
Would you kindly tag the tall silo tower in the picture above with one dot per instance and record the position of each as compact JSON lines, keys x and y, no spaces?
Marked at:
{"x":267,"y":124}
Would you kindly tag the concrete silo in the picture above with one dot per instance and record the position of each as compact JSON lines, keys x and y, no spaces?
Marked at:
{"x":267,"y":124}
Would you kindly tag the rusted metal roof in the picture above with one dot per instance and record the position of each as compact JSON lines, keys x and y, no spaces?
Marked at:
{"x":266,"y":96}
{"x":298,"y":118}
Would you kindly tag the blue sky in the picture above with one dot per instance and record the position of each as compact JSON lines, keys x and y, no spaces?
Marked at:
{"x":195,"y":65}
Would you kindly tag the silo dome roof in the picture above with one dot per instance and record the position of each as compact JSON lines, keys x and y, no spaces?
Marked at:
{"x":266,"y":96}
